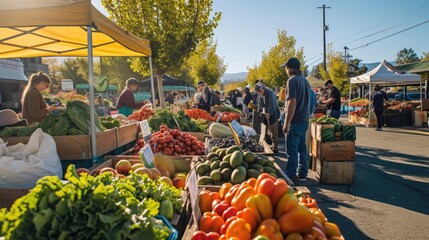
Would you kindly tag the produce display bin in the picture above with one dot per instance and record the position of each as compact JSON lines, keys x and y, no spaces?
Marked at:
{"x":9,"y":195}
{"x":174,"y":234}
{"x":127,"y":133}
{"x":267,"y":149}
{"x":181,"y":163}
{"x":77,"y":147}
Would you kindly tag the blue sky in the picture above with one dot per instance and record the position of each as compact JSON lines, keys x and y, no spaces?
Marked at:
{"x":249,"y":27}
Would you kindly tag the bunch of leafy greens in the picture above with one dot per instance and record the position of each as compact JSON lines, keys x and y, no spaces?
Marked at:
{"x":166,"y":117}
{"x":89,"y":207}
{"x":79,"y":113}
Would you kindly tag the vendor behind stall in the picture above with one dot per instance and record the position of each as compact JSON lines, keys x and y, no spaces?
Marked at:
{"x":126,"y":102}
{"x":34,"y":108}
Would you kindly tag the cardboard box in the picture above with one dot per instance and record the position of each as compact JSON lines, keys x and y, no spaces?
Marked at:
{"x":339,"y":172}
{"x":333,"y":151}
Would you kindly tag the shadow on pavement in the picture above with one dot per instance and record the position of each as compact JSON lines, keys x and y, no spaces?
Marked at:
{"x":392,"y":178}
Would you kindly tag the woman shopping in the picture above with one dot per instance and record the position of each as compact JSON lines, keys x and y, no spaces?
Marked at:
{"x":34,"y":107}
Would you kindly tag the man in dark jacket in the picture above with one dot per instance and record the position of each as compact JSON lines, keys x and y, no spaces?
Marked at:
{"x":378,"y":97}
{"x":270,"y":111}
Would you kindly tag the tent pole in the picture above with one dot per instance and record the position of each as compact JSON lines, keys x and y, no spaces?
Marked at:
{"x":91,"y":96}
{"x":151,"y":83}
{"x":370,"y":103}
{"x":350,"y":98}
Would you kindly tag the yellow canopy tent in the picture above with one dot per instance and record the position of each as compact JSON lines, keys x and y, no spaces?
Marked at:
{"x":58,"y":28}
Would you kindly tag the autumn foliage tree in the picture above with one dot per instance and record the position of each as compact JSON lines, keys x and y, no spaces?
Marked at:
{"x":336,"y":70}
{"x":174,"y":28}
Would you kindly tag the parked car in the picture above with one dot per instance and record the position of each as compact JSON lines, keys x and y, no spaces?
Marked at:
{"x":410,"y":96}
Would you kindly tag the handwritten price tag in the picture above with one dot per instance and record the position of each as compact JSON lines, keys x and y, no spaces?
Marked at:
{"x":144,"y":126}
{"x":192,"y":186}
{"x":237,"y":128}
{"x":146,"y":155}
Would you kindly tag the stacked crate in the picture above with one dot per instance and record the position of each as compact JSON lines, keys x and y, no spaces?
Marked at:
{"x":333,"y":153}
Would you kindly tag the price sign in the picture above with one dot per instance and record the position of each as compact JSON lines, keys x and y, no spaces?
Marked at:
{"x":237,"y":128}
{"x":144,"y":126}
{"x":192,"y":186}
{"x":146,"y":155}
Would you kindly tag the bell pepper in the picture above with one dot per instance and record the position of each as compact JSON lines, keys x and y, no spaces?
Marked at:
{"x":224,"y":189}
{"x":226,"y":224}
{"x":308,"y":202}
{"x":270,"y":228}
{"x":298,"y":219}
{"x":240,"y":229}
{"x":200,"y":235}
{"x":262,"y":177}
{"x":318,"y":215}
{"x":261,"y":206}
{"x":230,"y":212}
{"x":286,"y":203}
{"x":251,"y":182}
{"x":248,"y":215}
{"x":281,"y":188}
{"x":231,"y":193}
{"x":221,"y":207}
{"x":240,"y":198}
{"x":206,"y":199}
{"x":266,"y":186}
{"x":211,"y":222}
{"x":332,"y":230}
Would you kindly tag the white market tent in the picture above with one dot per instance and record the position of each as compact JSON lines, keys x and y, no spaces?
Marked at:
{"x":60,"y":28}
{"x":385,"y":74}
{"x":315,"y":82}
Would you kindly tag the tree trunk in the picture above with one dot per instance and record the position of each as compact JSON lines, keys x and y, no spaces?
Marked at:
{"x":160,"y":92}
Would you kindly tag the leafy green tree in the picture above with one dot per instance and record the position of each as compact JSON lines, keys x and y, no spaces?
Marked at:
{"x":118,"y":70}
{"x":425,"y":56}
{"x":406,"y":56}
{"x":174,"y":28}
{"x":72,"y":69}
{"x":336,"y":70}
{"x":270,"y":69}
{"x":355,"y":69}
{"x":315,"y":71}
{"x":204,"y":64}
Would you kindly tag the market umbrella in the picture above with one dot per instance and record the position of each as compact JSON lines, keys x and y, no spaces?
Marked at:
{"x":59,"y":28}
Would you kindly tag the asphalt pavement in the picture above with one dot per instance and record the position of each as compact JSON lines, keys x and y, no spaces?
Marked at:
{"x":389,"y":197}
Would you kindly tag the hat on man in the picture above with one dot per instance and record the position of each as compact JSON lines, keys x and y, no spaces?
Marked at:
{"x":239,"y":89}
{"x":259,"y":86}
{"x":9,"y":118}
{"x":292,"y":63}
{"x":201,"y":83}
{"x":328,"y":82}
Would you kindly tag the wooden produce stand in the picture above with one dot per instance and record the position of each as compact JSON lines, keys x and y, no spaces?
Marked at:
{"x":333,"y":162}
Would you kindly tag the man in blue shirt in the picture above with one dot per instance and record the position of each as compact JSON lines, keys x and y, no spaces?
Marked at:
{"x":298,"y":100}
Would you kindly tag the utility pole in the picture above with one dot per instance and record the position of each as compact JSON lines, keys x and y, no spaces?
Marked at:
{"x":325,"y":28}
{"x":345,"y":53}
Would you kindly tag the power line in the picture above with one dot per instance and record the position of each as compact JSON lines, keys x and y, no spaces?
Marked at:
{"x":369,"y":28}
{"x":315,"y":61}
{"x":312,"y":57}
{"x":393,"y":34}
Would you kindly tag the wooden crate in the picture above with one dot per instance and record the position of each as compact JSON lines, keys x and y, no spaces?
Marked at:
{"x":9,"y":195}
{"x":127,"y":133}
{"x":337,"y":172}
{"x":77,"y":147}
{"x":333,"y":151}
{"x":181,"y":163}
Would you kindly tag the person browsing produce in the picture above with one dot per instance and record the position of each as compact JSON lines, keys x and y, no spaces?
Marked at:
{"x":297,"y":119}
{"x":378,"y":97}
{"x":271,"y":113}
{"x":126,"y":102}
{"x":334,"y":100}
{"x":34,"y":107}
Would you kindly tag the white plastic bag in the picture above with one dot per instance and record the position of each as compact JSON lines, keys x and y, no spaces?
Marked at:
{"x":248,"y":131}
{"x":21,"y":165}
